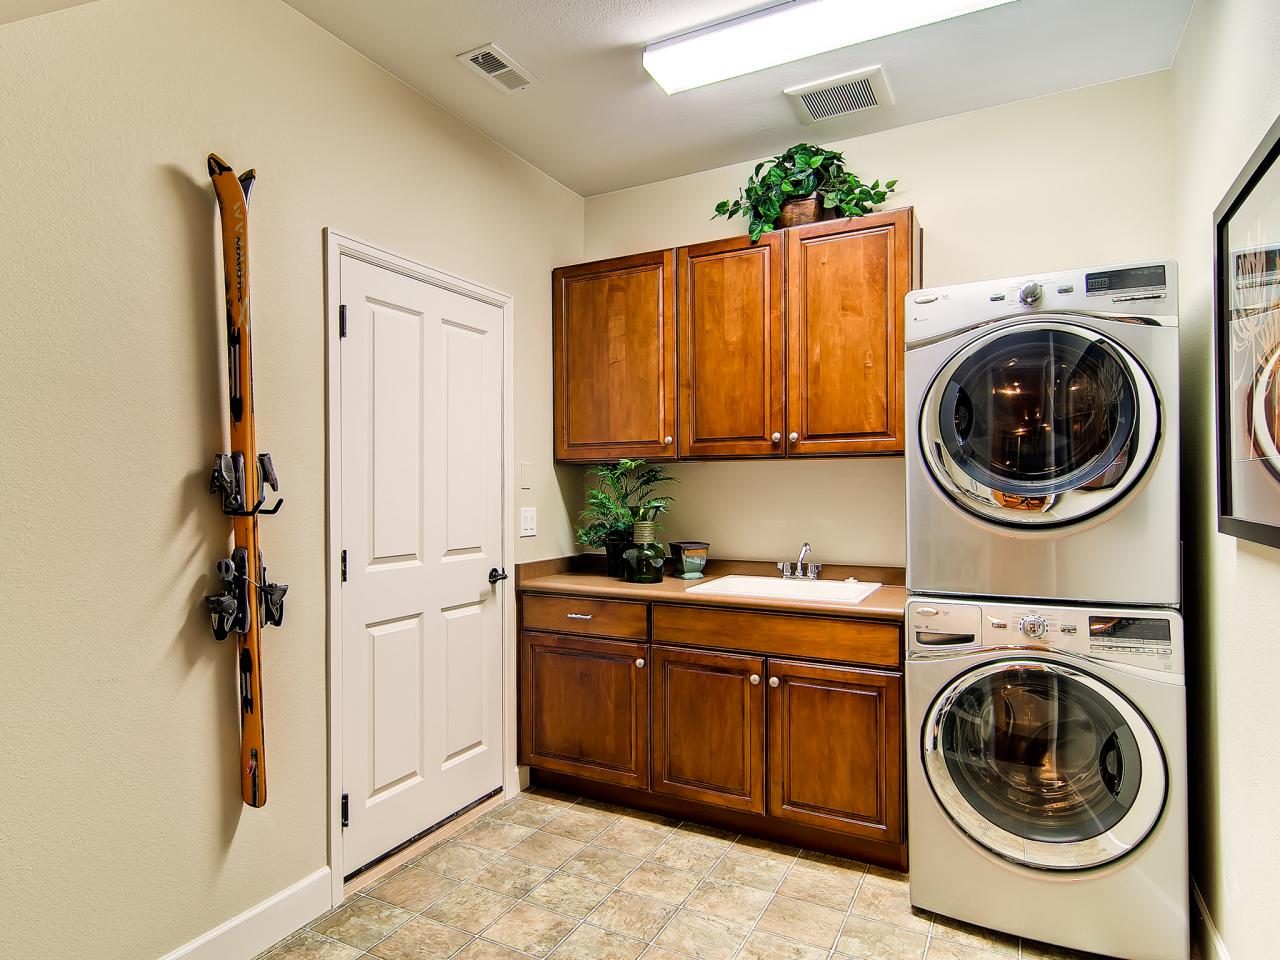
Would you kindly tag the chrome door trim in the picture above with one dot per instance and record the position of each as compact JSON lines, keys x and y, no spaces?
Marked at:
{"x":1156,"y":320}
{"x":1125,"y":836}
{"x":1068,"y":507}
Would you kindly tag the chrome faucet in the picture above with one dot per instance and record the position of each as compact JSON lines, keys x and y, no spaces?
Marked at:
{"x":803,"y":571}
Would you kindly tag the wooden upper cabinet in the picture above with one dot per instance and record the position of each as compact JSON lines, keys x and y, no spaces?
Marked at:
{"x":846,"y":280}
{"x":614,"y":355}
{"x":731,"y":348}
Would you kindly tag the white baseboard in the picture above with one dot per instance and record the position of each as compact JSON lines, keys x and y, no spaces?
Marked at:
{"x":263,"y":924}
{"x":1206,"y":933}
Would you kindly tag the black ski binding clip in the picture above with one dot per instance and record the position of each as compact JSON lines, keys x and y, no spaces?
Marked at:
{"x":229,"y":610}
{"x":228,"y":480}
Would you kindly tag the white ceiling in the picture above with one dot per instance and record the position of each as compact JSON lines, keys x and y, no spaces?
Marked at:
{"x":597,"y":122}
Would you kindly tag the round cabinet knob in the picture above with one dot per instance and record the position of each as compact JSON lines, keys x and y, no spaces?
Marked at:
{"x":776,"y":438}
{"x":1033,"y":626}
{"x":640,"y":662}
{"x":666,"y":441}
{"x":1030,"y":293}
{"x":793,"y":436}
{"x":773,"y":681}
{"x":755,"y":679}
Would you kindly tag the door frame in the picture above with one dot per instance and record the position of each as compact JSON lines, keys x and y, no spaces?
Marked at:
{"x":336,"y":246}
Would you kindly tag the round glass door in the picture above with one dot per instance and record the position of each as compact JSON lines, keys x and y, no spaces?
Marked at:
{"x":1044,"y":765}
{"x":1039,"y":423}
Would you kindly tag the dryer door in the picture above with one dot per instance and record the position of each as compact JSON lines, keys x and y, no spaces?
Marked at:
{"x":1041,"y":423}
{"x":1044,"y":765}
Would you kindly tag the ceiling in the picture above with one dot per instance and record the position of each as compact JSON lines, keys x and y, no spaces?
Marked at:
{"x":597,"y":122}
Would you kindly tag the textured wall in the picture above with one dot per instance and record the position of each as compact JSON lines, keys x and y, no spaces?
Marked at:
{"x":1076,"y":179}
{"x":1226,"y":93}
{"x":122,"y":834}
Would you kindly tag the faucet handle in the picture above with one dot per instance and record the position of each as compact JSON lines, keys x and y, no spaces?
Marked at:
{"x":814,"y":570}
{"x":786,"y":569}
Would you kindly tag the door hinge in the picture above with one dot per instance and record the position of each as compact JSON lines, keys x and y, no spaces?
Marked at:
{"x":342,"y":321}
{"x":346,"y":810}
{"x":344,"y":566}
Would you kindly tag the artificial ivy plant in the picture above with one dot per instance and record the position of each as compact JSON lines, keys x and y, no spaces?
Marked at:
{"x":803,"y":171}
{"x":624,"y":494}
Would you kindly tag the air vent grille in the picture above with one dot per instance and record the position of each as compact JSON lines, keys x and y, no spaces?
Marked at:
{"x":498,"y":68}
{"x":842,"y":95}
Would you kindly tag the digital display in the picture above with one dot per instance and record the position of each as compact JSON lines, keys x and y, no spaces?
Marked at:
{"x":1131,"y":278}
{"x":1129,"y":628}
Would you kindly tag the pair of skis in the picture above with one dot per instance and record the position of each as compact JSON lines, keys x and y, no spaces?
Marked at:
{"x":248,"y":601}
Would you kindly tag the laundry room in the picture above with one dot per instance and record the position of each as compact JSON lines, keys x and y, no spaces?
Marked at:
{"x":721,"y":480}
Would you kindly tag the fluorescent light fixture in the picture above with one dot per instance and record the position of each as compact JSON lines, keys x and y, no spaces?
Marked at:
{"x":789,"y":31}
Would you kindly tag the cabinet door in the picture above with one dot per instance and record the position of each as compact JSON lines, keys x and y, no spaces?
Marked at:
{"x":584,"y":707}
{"x":731,"y":349}
{"x":708,"y":727}
{"x":835,"y":748}
{"x":614,"y":354}
{"x":846,"y":280}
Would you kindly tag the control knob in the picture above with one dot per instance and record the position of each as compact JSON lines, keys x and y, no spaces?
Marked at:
{"x":1031,"y":293}
{"x":1033,"y":626}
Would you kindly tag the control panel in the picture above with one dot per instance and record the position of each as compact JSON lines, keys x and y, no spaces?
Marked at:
{"x":1148,"y":639}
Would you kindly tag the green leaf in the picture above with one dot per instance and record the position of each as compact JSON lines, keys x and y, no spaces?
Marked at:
{"x":891,"y":184}
{"x":816,"y":162}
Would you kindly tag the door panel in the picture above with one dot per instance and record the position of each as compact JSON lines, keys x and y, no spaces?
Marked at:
{"x":613,"y":325}
{"x":708,"y":727}
{"x":421,"y":521}
{"x":846,"y":281}
{"x":731,"y":348}
{"x":584,"y":707}
{"x":835,"y":748}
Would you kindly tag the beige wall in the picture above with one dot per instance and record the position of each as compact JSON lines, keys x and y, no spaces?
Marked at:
{"x":1226,"y":93}
{"x":122,"y":834}
{"x":1076,"y":179}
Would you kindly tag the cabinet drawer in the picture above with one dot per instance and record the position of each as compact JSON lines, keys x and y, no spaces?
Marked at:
{"x":597,"y":618}
{"x":818,"y":638}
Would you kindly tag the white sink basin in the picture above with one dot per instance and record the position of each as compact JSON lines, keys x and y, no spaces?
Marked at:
{"x":777,"y":588}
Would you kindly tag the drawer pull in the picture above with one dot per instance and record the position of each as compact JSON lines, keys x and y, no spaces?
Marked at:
{"x":578,"y":616}
{"x":755,"y":679}
{"x":640,"y":662}
{"x":773,"y":681}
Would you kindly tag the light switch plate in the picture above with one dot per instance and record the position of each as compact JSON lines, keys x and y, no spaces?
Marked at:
{"x":528,"y":521}
{"x":524,"y":475}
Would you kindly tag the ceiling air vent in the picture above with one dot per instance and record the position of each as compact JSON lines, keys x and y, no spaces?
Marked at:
{"x":498,"y":68}
{"x":838,"y":96}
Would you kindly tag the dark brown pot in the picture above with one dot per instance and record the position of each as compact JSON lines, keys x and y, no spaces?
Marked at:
{"x":796,"y":212}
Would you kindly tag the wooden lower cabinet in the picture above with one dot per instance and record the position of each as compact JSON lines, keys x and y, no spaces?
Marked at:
{"x":584,"y":707}
{"x":835,"y":748}
{"x":708,"y":727}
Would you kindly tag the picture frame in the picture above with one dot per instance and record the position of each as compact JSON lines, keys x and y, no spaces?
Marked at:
{"x":1247,"y":347}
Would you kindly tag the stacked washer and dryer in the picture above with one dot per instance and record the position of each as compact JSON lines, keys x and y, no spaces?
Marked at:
{"x":1046,"y":707}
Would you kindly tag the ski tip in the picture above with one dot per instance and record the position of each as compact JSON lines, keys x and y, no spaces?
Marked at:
{"x":246,"y":181}
{"x":217,"y":165}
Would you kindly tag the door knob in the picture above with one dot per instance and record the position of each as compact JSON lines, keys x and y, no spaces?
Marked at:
{"x":755,"y":679}
{"x":793,"y":436}
{"x":773,"y":681}
{"x":496,"y":575}
{"x":640,"y":662}
{"x":776,"y":438}
{"x":666,"y":441}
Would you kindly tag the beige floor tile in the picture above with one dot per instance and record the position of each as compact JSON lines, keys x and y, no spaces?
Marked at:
{"x":702,"y":937}
{"x":828,"y":863}
{"x":509,"y":876}
{"x":631,"y":916}
{"x":712,"y":835}
{"x":307,"y":945}
{"x":686,"y":853}
{"x":483,"y":950}
{"x":658,"y":953}
{"x":610,"y":810}
{"x":864,"y":939}
{"x":940,"y":949}
{"x":494,"y":834}
{"x":765,"y":848}
{"x":601,"y":865}
{"x":661,"y":882}
{"x":751,"y":871}
{"x":730,"y":901}
{"x":567,"y":894}
{"x":469,"y":908}
{"x":594,"y":943}
{"x":891,"y":905}
{"x":886,"y":877}
{"x":456,"y":860}
{"x":363,"y":922}
{"x":801,"y":920}
{"x":1034,"y":950}
{"x":413,"y":888}
{"x":545,"y":849}
{"x":581,"y":825}
{"x":826,"y":889}
{"x":972,"y":935}
{"x":767,"y":946}
{"x":525,"y":812}
{"x":553,"y":797}
{"x":655,"y":820}
{"x":627,"y":836}
{"x":421,"y":939}
{"x":530,"y":929}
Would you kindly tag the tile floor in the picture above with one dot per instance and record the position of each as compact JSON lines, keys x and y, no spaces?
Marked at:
{"x":546,"y":875}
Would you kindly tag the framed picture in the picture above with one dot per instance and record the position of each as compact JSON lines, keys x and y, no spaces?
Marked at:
{"x":1247,"y":348}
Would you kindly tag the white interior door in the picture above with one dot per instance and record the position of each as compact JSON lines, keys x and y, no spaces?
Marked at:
{"x":421,"y":502}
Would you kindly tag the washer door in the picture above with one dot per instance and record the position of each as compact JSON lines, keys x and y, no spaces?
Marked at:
{"x":1040,"y":423}
{"x":1044,"y":765}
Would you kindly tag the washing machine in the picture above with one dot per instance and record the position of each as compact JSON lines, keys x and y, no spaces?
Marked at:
{"x":1047,"y":772}
{"x":1042,"y":437}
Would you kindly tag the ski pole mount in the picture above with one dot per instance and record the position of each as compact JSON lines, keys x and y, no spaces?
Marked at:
{"x":228,"y":480}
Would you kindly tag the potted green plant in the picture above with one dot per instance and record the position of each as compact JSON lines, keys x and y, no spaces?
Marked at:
{"x":622,"y":496}
{"x":800,"y":186}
